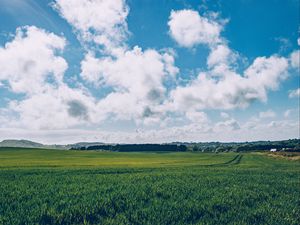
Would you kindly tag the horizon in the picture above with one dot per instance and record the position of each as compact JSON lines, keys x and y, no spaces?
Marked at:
{"x":141,"y":72}
{"x":162,"y":143}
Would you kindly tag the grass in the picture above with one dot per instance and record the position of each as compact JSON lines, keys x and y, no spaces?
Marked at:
{"x":75,"y":187}
{"x":14,"y":157}
{"x":286,"y":155}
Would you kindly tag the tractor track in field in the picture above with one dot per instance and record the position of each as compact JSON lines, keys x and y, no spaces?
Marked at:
{"x":235,"y":161}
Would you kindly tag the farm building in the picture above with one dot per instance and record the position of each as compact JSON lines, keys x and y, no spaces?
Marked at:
{"x":273,"y":150}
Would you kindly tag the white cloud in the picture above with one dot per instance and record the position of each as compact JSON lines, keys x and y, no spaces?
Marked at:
{"x":221,"y":54}
{"x":292,"y":113}
{"x":226,"y":131}
{"x":188,"y":28}
{"x":220,"y":87}
{"x":99,"y":21}
{"x":90,"y":69}
{"x":233,"y":90}
{"x":224,"y":115}
{"x":294,"y":93}
{"x":298,"y":41}
{"x":267,"y":72}
{"x":197,"y":117}
{"x":31,"y":64}
{"x":55,"y":108}
{"x":227,"y":125}
{"x":267,"y":114}
{"x":30,"y":59}
{"x":287,"y":113}
{"x":137,"y":78}
{"x":134,"y":71}
{"x":295,"y":59}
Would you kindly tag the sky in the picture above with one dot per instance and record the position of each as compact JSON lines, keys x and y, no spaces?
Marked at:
{"x":149,"y":71}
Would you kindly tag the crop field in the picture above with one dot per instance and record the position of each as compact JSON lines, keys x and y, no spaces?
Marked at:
{"x":88,"y":187}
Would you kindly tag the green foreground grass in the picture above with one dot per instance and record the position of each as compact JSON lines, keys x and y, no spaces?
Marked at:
{"x":75,"y":187}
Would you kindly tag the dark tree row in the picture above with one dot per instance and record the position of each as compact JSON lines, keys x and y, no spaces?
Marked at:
{"x":137,"y":148}
{"x":286,"y":145}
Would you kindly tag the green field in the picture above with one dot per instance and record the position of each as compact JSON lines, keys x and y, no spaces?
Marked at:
{"x":77,"y":187}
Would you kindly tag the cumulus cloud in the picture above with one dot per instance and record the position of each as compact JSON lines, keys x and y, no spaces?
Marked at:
{"x":137,"y":71}
{"x":31,"y":58}
{"x":78,"y":109}
{"x":197,"y":117}
{"x":188,"y":28}
{"x":267,"y":72}
{"x":220,"y":87}
{"x":137,"y":77}
{"x":32,"y":64}
{"x":99,"y":21}
{"x":267,"y":114}
{"x":55,"y":108}
{"x":230,"y":124}
{"x":295,"y":59}
{"x":294,"y":93}
{"x":220,"y":54}
{"x":233,"y":90}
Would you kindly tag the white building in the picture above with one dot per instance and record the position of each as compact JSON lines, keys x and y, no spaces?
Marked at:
{"x":273,"y":150}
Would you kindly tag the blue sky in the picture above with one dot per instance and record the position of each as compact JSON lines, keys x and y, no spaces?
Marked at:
{"x":149,"y":71}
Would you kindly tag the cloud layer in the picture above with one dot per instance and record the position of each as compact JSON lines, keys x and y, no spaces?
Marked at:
{"x":143,"y":84}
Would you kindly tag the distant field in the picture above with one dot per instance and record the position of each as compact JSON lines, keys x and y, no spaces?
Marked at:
{"x":15,"y":157}
{"x":84,"y":187}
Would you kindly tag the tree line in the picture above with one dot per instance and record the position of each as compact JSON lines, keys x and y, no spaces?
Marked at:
{"x":136,"y":147}
{"x":286,"y":145}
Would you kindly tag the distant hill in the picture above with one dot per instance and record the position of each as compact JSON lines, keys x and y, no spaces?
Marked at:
{"x":31,"y":144}
{"x":20,"y":143}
